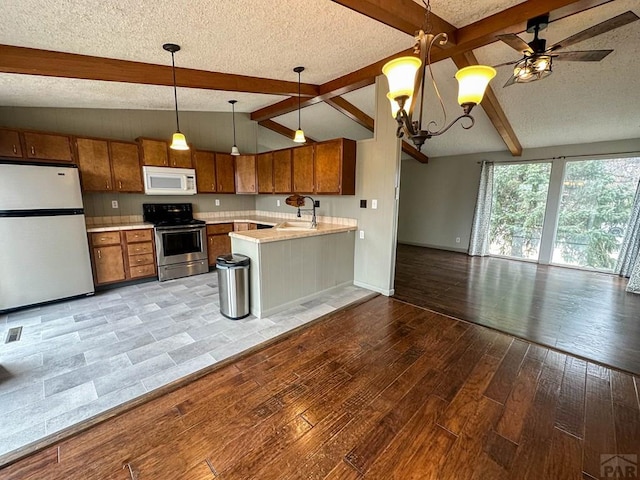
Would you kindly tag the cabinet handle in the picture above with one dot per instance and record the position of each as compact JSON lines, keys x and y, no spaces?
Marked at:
{"x":33,"y":150}
{"x":15,"y":150}
{"x":139,"y":260}
{"x":220,"y":186}
{"x":99,"y":254}
{"x":107,"y":185}
{"x":120,"y":185}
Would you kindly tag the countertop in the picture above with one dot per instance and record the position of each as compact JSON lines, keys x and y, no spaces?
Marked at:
{"x":275,"y":235}
{"x":209,"y":221}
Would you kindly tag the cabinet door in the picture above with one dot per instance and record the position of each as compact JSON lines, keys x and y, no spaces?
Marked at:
{"x":264,"y":163}
{"x":218,"y":245}
{"x":125,"y":165}
{"x":328,"y":166}
{"x":180,"y":158}
{"x":109,"y":264}
{"x":225,"y":175}
{"x":205,"y":165}
{"x":10,"y":144}
{"x":154,"y":152}
{"x":93,"y":162}
{"x":303,"y":169}
{"x":45,"y":146}
{"x":240,"y":226}
{"x":282,"y":171}
{"x":246,"y":174}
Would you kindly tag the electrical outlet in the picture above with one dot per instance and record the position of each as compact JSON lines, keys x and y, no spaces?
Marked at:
{"x":316,"y":203}
{"x":363,"y":204}
{"x":374,"y":204}
{"x":361,"y":234}
{"x":114,"y":203}
{"x":217,"y":202}
{"x":457,"y":239}
{"x":277,"y":203}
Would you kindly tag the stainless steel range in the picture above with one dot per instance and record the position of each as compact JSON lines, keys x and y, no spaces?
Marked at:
{"x":181,"y":241}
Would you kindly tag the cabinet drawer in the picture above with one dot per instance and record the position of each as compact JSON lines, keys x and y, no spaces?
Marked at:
{"x":219,"y":228}
{"x":105,"y":238}
{"x":144,"y":259}
{"x":142,"y":271}
{"x":140,"y":248}
{"x":133,"y":236}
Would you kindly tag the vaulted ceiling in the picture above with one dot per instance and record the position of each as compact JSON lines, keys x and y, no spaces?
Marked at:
{"x":91,"y":54}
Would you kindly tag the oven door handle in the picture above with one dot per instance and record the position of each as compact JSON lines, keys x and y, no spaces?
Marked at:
{"x":175,"y":230}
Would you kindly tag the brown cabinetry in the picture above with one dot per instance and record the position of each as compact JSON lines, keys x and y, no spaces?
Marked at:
{"x":244,"y":226}
{"x":119,"y":256}
{"x":154,"y":152}
{"x":335,"y":167}
{"x":225,"y":173}
{"x":10,"y":145}
{"x":48,"y":146}
{"x":205,"y":164}
{"x":264,"y":165}
{"x":282,"y":180}
{"x":302,"y":161}
{"x":218,"y":240}
{"x":246,"y":174}
{"x":180,"y":158}
{"x":107,"y":166}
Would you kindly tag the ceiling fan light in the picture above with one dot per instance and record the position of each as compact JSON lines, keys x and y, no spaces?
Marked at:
{"x":472,"y":83}
{"x":395,"y":106}
{"x":299,"y":137}
{"x":179,"y":142}
{"x":234,"y":151}
{"x":401,"y":74}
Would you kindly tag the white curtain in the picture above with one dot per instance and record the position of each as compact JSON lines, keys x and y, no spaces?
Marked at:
{"x":479,"y":244}
{"x":628,"y":264}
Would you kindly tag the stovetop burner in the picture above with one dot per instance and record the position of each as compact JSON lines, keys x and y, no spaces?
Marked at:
{"x":169,"y":214}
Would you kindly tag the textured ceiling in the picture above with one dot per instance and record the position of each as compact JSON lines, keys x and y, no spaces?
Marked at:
{"x":580,"y":102}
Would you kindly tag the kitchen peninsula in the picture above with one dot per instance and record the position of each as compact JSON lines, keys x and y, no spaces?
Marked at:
{"x":289,"y":266}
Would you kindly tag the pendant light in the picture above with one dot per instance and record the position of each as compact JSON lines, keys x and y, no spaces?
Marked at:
{"x":299,"y":137}
{"x":234,"y":150}
{"x":178,"y":141}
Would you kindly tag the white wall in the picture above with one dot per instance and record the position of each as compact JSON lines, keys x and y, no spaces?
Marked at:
{"x":437,"y":200}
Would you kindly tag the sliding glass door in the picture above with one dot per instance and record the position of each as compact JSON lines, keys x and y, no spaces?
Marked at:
{"x":595,"y":205}
{"x":518,"y":207}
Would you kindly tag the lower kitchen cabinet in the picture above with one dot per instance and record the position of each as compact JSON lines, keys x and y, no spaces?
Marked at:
{"x":218,"y":240}
{"x":118,"y":256}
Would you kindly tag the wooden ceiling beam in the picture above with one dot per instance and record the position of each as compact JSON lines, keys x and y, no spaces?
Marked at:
{"x":358,"y":116}
{"x":404,"y":15}
{"x":493,"y":109}
{"x":282,"y":130}
{"x":31,"y":61}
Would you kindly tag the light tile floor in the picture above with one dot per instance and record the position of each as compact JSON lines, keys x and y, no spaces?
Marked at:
{"x":81,"y":357}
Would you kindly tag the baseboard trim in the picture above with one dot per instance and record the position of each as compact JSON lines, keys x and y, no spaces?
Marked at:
{"x":387,"y":293}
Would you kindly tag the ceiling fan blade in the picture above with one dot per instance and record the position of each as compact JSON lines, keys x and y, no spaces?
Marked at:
{"x":511,"y":81}
{"x":506,"y":63}
{"x":585,"y":56}
{"x":598,"y":29}
{"x":515,"y":42}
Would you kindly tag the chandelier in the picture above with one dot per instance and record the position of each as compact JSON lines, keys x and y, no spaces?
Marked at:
{"x":405,"y":86}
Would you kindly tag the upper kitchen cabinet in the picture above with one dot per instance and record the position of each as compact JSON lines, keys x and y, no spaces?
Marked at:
{"x":302,"y":161}
{"x":335,"y":167}
{"x":154,"y":152}
{"x":264,"y":164}
{"x":125,"y":166}
{"x":180,"y":158}
{"x":10,"y":145}
{"x":48,"y":146}
{"x":94,"y":165}
{"x":282,"y":179}
{"x":225,"y":173}
{"x":205,"y":164}
{"x":246,"y":174}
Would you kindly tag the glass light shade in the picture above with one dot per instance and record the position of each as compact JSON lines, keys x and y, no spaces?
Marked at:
{"x":178,"y":142}
{"x":472,"y":83}
{"x":395,"y":106}
{"x":234,"y":151}
{"x":401,"y":75}
{"x":299,"y":137}
{"x":532,"y":68}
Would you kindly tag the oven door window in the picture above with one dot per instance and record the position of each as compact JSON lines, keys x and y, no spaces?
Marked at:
{"x":180,"y":243}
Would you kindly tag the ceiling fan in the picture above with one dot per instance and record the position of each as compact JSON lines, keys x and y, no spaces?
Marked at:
{"x":537,"y":59}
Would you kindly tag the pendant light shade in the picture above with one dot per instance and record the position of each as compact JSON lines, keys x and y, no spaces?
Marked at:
{"x":472,"y":83}
{"x":234,"y":150}
{"x":299,"y":137}
{"x":178,"y":141}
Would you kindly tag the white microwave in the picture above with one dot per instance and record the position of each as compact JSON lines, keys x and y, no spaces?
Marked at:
{"x":169,"y":181}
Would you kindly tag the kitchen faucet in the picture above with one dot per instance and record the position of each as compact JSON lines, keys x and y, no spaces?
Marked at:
{"x":298,"y":201}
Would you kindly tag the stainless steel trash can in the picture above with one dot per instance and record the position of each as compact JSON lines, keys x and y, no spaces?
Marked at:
{"x":233,"y":285}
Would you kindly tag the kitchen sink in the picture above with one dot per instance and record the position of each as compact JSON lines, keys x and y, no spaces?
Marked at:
{"x":295,"y":226}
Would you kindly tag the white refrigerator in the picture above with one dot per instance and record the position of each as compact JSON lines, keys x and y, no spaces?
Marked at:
{"x":44,"y":252}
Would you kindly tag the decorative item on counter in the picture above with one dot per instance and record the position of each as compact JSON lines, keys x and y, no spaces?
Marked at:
{"x":295,"y":200}
{"x":178,"y":141}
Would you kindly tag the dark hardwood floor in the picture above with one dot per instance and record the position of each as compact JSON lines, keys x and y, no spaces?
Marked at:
{"x":382,"y":390}
{"x":583,"y":313}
